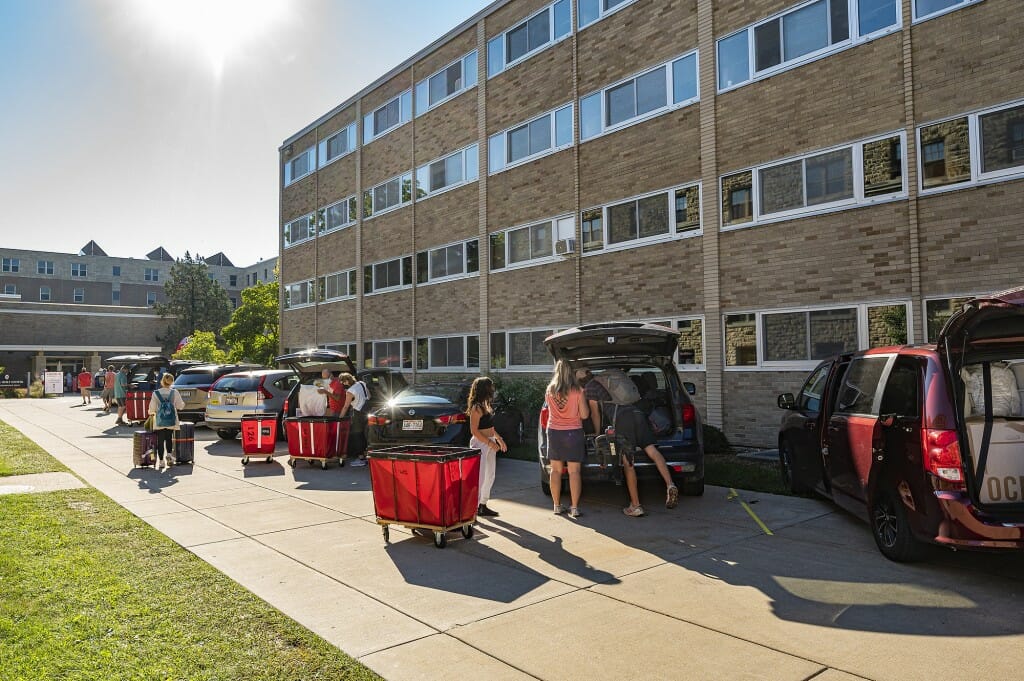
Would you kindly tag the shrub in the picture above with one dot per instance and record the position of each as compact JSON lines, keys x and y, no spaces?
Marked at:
{"x":11,"y":393}
{"x":715,"y":441}
{"x":523,"y":392}
{"x":36,"y":389}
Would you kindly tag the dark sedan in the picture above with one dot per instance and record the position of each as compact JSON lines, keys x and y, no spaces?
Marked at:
{"x":434,"y":413}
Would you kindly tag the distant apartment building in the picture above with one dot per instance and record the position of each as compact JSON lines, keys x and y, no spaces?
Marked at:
{"x":778,"y":180}
{"x":65,"y":310}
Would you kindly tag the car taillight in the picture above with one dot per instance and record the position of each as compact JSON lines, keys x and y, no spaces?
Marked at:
{"x":689,"y":414}
{"x":284,"y":407}
{"x":544,"y":417}
{"x":942,"y":454}
{"x":264,"y":394}
{"x":451,"y":419}
{"x":374,"y":420}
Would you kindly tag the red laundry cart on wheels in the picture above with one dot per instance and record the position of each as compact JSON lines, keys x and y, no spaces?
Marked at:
{"x":317,"y":439}
{"x":259,"y":436}
{"x":136,"y":405}
{"x":428,"y":487}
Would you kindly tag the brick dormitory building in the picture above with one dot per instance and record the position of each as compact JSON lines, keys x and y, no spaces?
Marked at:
{"x":778,"y":180}
{"x":63,"y":311}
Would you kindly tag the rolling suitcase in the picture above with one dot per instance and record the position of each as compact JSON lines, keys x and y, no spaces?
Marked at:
{"x":143,"y":448}
{"x":185,"y":442}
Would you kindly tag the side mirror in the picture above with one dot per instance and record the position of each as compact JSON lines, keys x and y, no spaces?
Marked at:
{"x":691,"y":388}
{"x":787,"y":401}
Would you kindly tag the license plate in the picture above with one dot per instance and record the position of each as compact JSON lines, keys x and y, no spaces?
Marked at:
{"x":186,"y":393}
{"x":230,"y":400}
{"x":412,"y":424}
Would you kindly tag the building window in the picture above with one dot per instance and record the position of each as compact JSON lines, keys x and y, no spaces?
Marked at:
{"x":387,"y":117}
{"x":298,"y":167}
{"x":1002,"y":139}
{"x":152,"y":274}
{"x":446,"y":83}
{"x":44,"y":267}
{"x":801,"y":34}
{"x":451,"y":171}
{"x":233,"y":280}
{"x":344,"y":348}
{"x":79,"y":269}
{"x":589,"y":11}
{"x":528,"y":37}
{"x":542,"y":135}
{"x":11,"y":290}
{"x":151,"y":298}
{"x":299,"y":294}
{"x":592,"y":224}
{"x":451,"y":353}
{"x":529,"y":244}
{"x":337,"y":145}
{"x":690,"y":353}
{"x":924,"y":9}
{"x":298,"y":230}
{"x":115,"y":297}
{"x":389,"y":275}
{"x":937,"y":312}
{"x":645,"y":218}
{"x":338,"y":285}
{"x":448,"y":262}
{"x":687,"y":209}
{"x":234,"y":303}
{"x":396,"y":354}
{"x":339,"y":215}
{"x":945,"y":153}
{"x":44,"y":294}
{"x":116,"y":271}
{"x":883,"y":167}
{"x":11,"y":264}
{"x":394,"y":193}
{"x":520,"y":349}
{"x":78,"y":295}
{"x":798,"y":339}
{"x":663,"y":88}
{"x":737,"y":198}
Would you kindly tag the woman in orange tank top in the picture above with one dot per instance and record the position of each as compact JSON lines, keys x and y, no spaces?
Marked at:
{"x":567,"y":409}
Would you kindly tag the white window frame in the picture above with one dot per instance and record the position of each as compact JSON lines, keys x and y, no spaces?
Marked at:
{"x":343,"y":347}
{"x":604,"y":13}
{"x":423,"y":86}
{"x":978,"y":177}
{"x":151,"y":298}
{"x":12,"y":265}
{"x":467,"y":168}
{"x":286,"y":230}
{"x":350,"y":132}
{"x":557,"y":225}
{"x":151,"y":274}
{"x":79,"y":270}
{"x":925,"y":17}
{"x":521,"y":367}
{"x":670,"y":105}
{"x":374,"y":211}
{"x":863,"y":337}
{"x":353,"y":206}
{"x":406,"y":339}
{"x":404,"y":116}
{"x":671,"y":235}
{"x":857,"y":201}
{"x":698,"y":366}
{"x":78,"y":295}
{"x":465,"y":274}
{"x":47,"y":292}
{"x":12,"y":290}
{"x":464,"y":367}
{"x":44,"y":267}
{"x":311,"y":292}
{"x":502,"y":38}
{"x":353,"y":291}
{"x":553,"y":149}
{"x":401,"y":275}
{"x":853,"y":39}
{"x":289,"y":179}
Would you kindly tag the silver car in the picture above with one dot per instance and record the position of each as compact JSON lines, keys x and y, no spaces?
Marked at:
{"x":247,"y":392}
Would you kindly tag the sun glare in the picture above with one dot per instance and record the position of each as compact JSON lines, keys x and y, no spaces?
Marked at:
{"x":213,"y":29}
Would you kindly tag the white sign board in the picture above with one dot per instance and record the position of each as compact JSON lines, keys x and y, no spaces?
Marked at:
{"x":53,"y":383}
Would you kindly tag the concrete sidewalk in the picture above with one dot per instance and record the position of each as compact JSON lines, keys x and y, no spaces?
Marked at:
{"x":695,"y":593}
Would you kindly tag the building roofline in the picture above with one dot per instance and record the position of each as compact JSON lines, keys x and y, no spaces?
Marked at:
{"x":482,"y":14}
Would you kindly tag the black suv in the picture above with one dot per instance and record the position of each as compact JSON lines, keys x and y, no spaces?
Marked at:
{"x":644,"y":352}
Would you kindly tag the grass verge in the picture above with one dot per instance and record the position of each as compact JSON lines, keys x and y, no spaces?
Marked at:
{"x":20,"y":456}
{"x":728,"y":470}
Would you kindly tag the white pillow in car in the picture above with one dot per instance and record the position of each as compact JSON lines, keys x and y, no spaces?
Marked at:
{"x":1005,"y":398}
{"x":312,"y":402}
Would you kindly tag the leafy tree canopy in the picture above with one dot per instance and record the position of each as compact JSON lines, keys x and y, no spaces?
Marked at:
{"x":253,"y":332}
{"x":194,"y":301}
{"x":202,"y":345}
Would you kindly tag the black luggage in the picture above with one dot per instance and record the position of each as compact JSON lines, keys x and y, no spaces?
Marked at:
{"x":184,"y":442}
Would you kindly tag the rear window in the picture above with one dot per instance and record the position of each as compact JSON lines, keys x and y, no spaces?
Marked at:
{"x":196,"y":378}
{"x":238,"y":384}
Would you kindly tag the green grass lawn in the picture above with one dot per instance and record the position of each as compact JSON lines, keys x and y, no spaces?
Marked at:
{"x":89,"y":591}
{"x":728,"y":470}
{"x":19,"y":455}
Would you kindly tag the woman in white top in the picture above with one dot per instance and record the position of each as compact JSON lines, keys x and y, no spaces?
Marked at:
{"x":164,"y":406}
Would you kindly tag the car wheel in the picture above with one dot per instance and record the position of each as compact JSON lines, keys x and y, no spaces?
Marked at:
{"x":789,"y":480}
{"x":891,"y":529}
{"x":227,"y":433}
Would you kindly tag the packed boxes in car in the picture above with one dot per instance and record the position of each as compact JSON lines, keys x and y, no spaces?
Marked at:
{"x":425,"y":485}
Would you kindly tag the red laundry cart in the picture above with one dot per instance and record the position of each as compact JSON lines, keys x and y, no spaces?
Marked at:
{"x":317,"y":439}
{"x":259,"y":436}
{"x":430,"y":487}
{"x":136,"y":408}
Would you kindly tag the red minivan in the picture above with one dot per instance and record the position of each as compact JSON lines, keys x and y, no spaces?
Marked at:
{"x":925,"y":442}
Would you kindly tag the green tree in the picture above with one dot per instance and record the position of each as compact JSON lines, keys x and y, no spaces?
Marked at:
{"x":253,"y":332}
{"x":194,"y":301}
{"x":202,"y":345}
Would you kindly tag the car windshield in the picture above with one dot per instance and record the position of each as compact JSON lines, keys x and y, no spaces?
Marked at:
{"x":416,"y":393}
{"x":238,"y":384}
{"x":194,"y":378}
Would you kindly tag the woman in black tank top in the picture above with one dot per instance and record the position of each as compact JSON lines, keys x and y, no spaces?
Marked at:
{"x":484,"y":437}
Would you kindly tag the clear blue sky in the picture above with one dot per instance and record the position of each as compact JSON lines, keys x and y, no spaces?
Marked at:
{"x":145,"y":123}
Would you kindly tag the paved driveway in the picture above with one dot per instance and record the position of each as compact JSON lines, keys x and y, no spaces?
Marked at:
{"x":700,"y":592}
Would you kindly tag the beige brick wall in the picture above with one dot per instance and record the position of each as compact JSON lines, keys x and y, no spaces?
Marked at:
{"x":337,"y":250}
{"x":532,"y":297}
{"x":337,"y":322}
{"x":297,"y":262}
{"x":386,"y":315}
{"x":338,"y":181}
{"x":385,"y":92}
{"x":449,"y":307}
{"x":446,"y":128}
{"x":732,"y":15}
{"x":534,"y":191}
{"x":297,"y":328}
{"x":447,"y":217}
{"x":387,"y":236}
{"x":752,"y":415}
{"x":388,"y":156}
{"x":541,"y":83}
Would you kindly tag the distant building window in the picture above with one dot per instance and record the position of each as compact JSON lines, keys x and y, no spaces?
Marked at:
{"x":341,"y":214}
{"x":337,"y":145}
{"x":338,"y":285}
{"x":151,"y":298}
{"x":79,"y":269}
{"x":446,"y":83}
{"x":396,"y":354}
{"x":926,"y":8}
{"x":298,"y":167}
{"x":11,"y":264}
{"x":10,"y":290}
{"x":542,"y":135}
{"x":115,"y":297}
{"x":394,"y":193}
{"x":946,"y":153}
{"x":388,"y":275}
{"x":44,"y":294}
{"x":116,"y":271}
{"x":448,"y":172}
{"x":79,"y":295}
{"x":248,"y":280}
{"x":387,"y":117}
{"x":299,"y":294}
{"x":299,"y":230}
{"x":589,"y":11}
{"x":234,"y":303}
{"x":44,"y":267}
{"x":528,"y":37}
{"x":447,"y":262}
{"x":152,"y":274}
{"x":233,"y":280}
{"x":265,"y":276}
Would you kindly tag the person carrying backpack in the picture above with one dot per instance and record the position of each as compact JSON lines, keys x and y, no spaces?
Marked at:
{"x":164,"y":406}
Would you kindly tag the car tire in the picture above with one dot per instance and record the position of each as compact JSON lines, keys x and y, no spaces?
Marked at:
{"x":227,"y":433}
{"x":692,"y":487}
{"x":891,"y":529}
{"x":545,"y":487}
{"x":789,"y":480}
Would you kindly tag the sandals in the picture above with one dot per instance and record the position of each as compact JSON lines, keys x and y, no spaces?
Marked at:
{"x":634,"y":511}
{"x":672,"y":499}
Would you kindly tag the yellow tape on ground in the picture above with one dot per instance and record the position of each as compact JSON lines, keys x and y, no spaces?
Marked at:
{"x":734,"y":495}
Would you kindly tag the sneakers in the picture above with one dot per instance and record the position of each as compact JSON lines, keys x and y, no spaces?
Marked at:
{"x":634,"y":511}
{"x":574,"y":512}
{"x":559,"y":510}
{"x":486,"y":512}
{"x":672,"y":498}
{"x":357,"y":462}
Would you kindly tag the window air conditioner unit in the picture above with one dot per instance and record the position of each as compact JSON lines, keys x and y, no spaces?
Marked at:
{"x":565,"y":247}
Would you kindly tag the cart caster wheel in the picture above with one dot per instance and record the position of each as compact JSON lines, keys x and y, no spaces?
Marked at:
{"x":467,"y":531}
{"x":323,"y":464}
{"x":245,"y":461}
{"x":387,"y":535}
{"x":270,"y":459}
{"x":291,"y":462}
{"x":440,"y":540}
